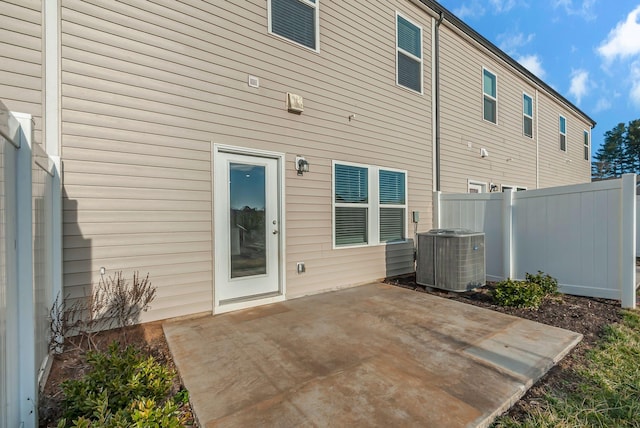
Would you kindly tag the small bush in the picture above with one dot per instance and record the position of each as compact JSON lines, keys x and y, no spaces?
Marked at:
{"x":547,"y":283}
{"x":525,"y":294}
{"x":123,"y":388}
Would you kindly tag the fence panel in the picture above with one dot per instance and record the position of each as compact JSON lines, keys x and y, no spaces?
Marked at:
{"x":584,"y":235}
{"x":480,"y":212}
{"x":42,"y":198}
{"x":29,"y":237}
{"x":637,"y":226}
{"x":572,"y":233}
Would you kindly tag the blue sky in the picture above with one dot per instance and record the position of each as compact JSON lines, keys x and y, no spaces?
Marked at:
{"x":587,"y":50}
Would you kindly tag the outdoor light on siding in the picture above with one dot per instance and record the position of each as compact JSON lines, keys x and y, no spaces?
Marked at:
{"x":302,"y":165}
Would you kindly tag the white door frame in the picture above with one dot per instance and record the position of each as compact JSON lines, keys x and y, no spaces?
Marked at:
{"x":280,"y":157}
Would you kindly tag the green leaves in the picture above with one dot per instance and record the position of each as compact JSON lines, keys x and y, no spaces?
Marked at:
{"x":525,"y":294}
{"x":123,"y":388}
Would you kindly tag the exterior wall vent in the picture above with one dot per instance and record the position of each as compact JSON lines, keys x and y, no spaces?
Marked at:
{"x":451,"y":259}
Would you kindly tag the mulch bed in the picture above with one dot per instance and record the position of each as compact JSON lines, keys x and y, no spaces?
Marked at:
{"x":585,"y":315}
{"x":148,"y":337}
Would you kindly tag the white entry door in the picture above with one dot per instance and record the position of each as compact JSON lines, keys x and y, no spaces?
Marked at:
{"x":247,"y":228}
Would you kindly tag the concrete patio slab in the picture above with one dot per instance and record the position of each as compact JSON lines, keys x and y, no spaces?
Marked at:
{"x":374,"y":355}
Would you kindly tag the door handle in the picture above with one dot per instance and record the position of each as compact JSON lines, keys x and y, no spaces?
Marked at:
{"x":275,"y":231}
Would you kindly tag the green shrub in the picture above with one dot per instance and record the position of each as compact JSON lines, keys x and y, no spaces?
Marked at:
{"x":525,"y":294}
{"x":123,"y":388}
{"x":548,"y":283}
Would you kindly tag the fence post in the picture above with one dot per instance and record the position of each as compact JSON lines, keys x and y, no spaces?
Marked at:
{"x":507,"y":233}
{"x":27,"y":400}
{"x":628,"y":241}
{"x":436,"y":209}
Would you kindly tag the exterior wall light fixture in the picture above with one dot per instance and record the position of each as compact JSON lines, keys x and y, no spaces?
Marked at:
{"x":302,"y":165}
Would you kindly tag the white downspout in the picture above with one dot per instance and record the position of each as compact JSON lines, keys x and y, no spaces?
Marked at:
{"x":537,"y":145}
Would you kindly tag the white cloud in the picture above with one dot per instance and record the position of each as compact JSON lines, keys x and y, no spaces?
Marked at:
{"x":503,"y":5}
{"x":510,"y":43}
{"x":624,"y":40}
{"x":533,"y":64}
{"x":579,"y":84}
{"x":603,"y":104}
{"x":473,"y":9}
{"x":582,"y":8}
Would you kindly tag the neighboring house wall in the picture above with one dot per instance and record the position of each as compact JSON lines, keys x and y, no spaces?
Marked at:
{"x":512,"y":155}
{"x":21,"y":71}
{"x":147,"y":88}
{"x":558,"y":167}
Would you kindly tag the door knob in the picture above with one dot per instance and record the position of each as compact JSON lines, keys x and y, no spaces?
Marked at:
{"x":275,"y":231}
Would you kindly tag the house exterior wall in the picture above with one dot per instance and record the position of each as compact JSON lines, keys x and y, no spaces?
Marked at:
{"x":21,"y":71}
{"x":513,"y":158}
{"x":148,"y":87}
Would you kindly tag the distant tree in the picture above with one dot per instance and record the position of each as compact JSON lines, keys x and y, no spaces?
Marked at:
{"x":610,"y":160}
{"x":632,"y":146}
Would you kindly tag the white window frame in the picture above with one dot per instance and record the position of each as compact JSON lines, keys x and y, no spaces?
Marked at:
{"x":487,"y":95}
{"x":561,"y":134}
{"x":481,"y":184}
{"x":504,"y":187}
{"x":373,"y":206}
{"x":526,"y":116}
{"x":586,"y":135}
{"x":410,"y":55}
{"x":316,"y":6}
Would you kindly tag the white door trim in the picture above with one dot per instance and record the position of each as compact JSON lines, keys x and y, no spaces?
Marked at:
{"x":280,"y":157}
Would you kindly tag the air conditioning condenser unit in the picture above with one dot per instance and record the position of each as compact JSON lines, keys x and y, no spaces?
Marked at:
{"x":451,"y":259}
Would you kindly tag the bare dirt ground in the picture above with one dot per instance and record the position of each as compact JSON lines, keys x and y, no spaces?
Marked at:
{"x":70,"y":364}
{"x":588,"y":316}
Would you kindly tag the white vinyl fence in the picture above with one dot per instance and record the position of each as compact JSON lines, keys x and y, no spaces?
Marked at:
{"x":583,"y":235}
{"x":637,"y":226}
{"x":30,"y":263}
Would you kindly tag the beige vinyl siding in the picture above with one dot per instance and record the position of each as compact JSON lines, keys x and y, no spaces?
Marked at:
{"x":148,"y":86}
{"x":555,"y":164}
{"x":21,"y":70}
{"x":512,"y":155}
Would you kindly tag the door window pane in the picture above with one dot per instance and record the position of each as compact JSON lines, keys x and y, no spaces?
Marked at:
{"x":247,"y":196}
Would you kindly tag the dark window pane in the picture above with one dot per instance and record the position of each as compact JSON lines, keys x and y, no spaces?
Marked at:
{"x":409,"y":37}
{"x":489,"y":109}
{"x":563,"y":143}
{"x":527,"y":105}
{"x":295,"y":21}
{"x":392,"y":189}
{"x":489,"y":83}
{"x":409,"y":74}
{"x":528,"y":127}
{"x":351,"y":226}
{"x":392,"y":224}
{"x":351,"y":184}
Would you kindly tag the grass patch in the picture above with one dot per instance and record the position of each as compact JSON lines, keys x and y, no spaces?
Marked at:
{"x":605,"y":387}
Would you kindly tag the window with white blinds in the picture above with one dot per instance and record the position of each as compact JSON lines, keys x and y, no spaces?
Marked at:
{"x":408,"y":54}
{"x":296,"y":20}
{"x":370,"y":205}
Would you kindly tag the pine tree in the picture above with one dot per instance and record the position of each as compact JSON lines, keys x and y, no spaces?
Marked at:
{"x":632,"y":146}
{"x":610,"y":160}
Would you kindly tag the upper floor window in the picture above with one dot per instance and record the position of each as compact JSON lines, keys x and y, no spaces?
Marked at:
{"x":527,"y":115}
{"x":296,"y":20}
{"x":490,"y":90}
{"x":586,"y":145}
{"x":370,"y":205}
{"x":563,"y":134}
{"x":408,"y":54}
